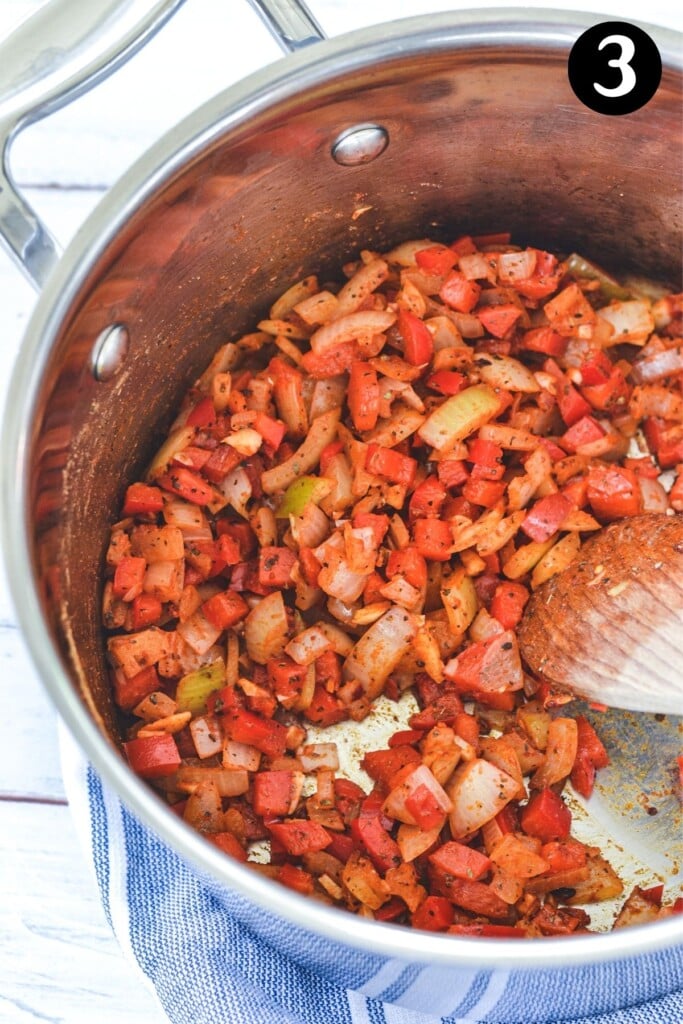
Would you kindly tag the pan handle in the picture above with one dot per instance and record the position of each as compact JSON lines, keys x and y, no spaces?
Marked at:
{"x":64,"y":49}
{"x":290,"y":22}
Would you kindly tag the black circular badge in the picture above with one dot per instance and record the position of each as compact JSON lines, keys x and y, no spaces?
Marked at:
{"x":614,"y":68}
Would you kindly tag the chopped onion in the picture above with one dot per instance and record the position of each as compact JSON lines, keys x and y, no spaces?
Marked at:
{"x":380,"y":649}
{"x":241,"y":756}
{"x":516,"y":266}
{"x":266,"y":628}
{"x":236,"y":488}
{"x":360,"y":547}
{"x":188,"y":518}
{"x":404,"y":254}
{"x":165,"y":579}
{"x":319,"y":756}
{"x":198,"y":632}
{"x":308,"y":645}
{"x":328,"y":394}
{"x":356,"y":290}
{"x":322,"y":432}
{"x":507,"y":373}
{"x":157,"y":543}
{"x":174,"y":443}
{"x":658,"y":366}
{"x":311,"y":527}
{"x":341,"y":642}
{"x":351,"y":327}
{"x":226,"y":781}
{"x":632,"y":321}
{"x":338,"y":580}
{"x":478,"y":791}
{"x":207,"y":735}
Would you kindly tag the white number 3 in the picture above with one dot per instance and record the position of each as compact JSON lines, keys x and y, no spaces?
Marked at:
{"x":628,"y":75}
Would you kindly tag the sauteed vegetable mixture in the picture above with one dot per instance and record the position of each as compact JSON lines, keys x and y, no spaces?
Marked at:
{"x":356,"y":500}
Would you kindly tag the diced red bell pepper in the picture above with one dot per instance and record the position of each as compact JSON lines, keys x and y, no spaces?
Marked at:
{"x":433,"y":539}
{"x":275,"y":567}
{"x":348,"y":797}
{"x":436,"y":259}
{"x":435,"y":914}
{"x":459,"y":293}
{"x":597,"y":369}
{"x":544,"y":340}
{"x":379,"y":524}
{"x":546,"y":516}
{"x":363,"y":395}
{"x":325,"y":708}
{"x":499,"y":320}
{"x":203,"y":414}
{"x":610,"y":396}
{"x":422,"y":805}
{"x":571,"y":403}
{"x":676,"y":492}
{"x":342,"y":845}
{"x":487,"y":459}
{"x":267,"y":735}
{"x":447,"y":382}
{"x":225,"y":609}
{"x":142,"y":499}
{"x":229,"y":844}
{"x":328,"y":669}
{"x":564,"y":854}
{"x":418,"y":343}
{"x":296,"y":878}
{"x":331,"y":362}
{"x":461,"y":861}
{"x":464,"y":245}
{"x":222,"y":460}
{"x":299,"y":836}
{"x":583,"y":774}
{"x":130,"y":691}
{"x":588,"y":740}
{"x":376,"y":841}
{"x":665,"y":439}
{"x":271,"y":430}
{"x":146,"y":611}
{"x":391,"y":464}
{"x":453,"y":472}
{"x":188,"y":485}
{"x":545,"y":278}
{"x":466,"y":727}
{"x":228,"y":549}
{"x":273,"y":792}
{"x":546,"y":816}
{"x":153,"y":757}
{"x":286,"y":677}
{"x":128,"y":577}
{"x":427,"y":499}
{"x":328,"y":453}
{"x":583,"y":431}
{"x":613,"y":491}
{"x":405,"y":736}
{"x":507,"y":604}
{"x":409,"y":563}
{"x":486,"y":493}
{"x":310,"y":566}
{"x":477,"y":897}
{"x":382,"y":765}
{"x":391,"y":910}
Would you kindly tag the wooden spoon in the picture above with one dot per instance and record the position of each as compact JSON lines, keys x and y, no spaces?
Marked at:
{"x":610,"y":627}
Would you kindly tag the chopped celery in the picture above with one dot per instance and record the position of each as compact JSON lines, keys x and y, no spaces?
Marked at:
{"x":194,"y":688}
{"x":459,"y":416}
{"x":301,"y":493}
{"x":579,"y":266}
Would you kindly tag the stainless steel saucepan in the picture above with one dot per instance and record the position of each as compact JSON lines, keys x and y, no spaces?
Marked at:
{"x":440,"y":124}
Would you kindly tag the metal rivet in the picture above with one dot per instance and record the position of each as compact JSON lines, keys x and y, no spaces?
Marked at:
{"x":360,"y":144}
{"x":109,"y":352}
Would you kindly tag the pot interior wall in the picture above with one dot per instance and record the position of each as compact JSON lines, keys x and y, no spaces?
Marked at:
{"x":479,"y":141}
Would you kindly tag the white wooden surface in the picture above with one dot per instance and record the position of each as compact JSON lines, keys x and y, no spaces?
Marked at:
{"x":58,"y":959}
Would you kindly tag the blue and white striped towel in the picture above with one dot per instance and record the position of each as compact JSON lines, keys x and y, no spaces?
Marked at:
{"x":207,"y":965}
